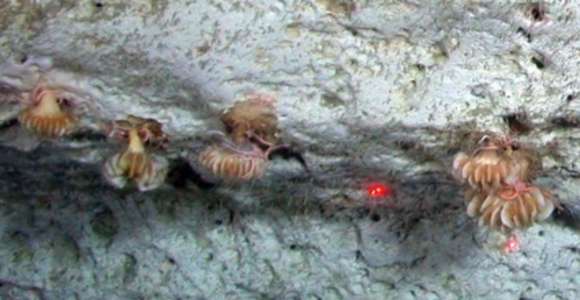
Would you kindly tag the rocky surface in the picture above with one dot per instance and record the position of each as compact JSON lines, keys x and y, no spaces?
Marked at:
{"x":370,"y":90}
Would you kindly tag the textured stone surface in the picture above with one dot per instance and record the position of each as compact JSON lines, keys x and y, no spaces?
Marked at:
{"x":369,"y":91}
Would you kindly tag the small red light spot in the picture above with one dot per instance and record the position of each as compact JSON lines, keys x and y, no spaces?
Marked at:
{"x":512,"y":245}
{"x":378,"y":190}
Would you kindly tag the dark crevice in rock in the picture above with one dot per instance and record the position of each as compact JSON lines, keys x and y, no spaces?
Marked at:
{"x":518,"y":123}
{"x":181,"y":174}
{"x":568,"y":215}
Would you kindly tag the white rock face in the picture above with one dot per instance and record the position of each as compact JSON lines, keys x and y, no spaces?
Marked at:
{"x":368,"y":90}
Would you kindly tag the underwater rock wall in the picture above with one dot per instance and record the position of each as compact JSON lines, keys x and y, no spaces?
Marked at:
{"x":367,"y":91}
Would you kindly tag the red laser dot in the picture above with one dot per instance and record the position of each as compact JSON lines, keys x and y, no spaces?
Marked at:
{"x":378,"y":190}
{"x":512,"y":245}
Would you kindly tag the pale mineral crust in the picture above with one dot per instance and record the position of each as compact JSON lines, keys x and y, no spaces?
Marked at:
{"x":368,"y":91}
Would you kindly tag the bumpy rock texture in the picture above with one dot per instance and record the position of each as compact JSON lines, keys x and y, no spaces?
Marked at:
{"x":368,"y":90}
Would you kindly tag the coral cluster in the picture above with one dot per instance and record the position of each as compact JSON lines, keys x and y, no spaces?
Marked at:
{"x":252,"y":134}
{"x":243,"y":153}
{"x":500,"y":193}
{"x":137,"y":162}
{"x":52,"y":109}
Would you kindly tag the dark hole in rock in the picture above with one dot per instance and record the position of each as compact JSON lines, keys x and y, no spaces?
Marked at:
{"x":525,"y":33}
{"x":8,"y":124}
{"x":181,"y":173}
{"x":567,"y":215}
{"x":538,"y":62}
{"x":104,"y":224}
{"x":565,"y":121}
{"x":537,"y":12}
{"x":517,"y":122}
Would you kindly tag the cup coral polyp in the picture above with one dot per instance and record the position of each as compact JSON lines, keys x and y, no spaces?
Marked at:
{"x":256,"y":114}
{"x":488,"y":168}
{"x":46,"y":115}
{"x":509,"y":207}
{"x":135,"y":163}
{"x":231,"y":162}
{"x":500,"y":192}
{"x":252,"y":128}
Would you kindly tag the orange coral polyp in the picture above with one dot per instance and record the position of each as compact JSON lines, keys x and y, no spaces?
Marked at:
{"x":486,"y":169}
{"x":46,"y":117}
{"x":509,"y":208}
{"x":256,"y":114}
{"x":500,"y":194}
{"x":233,"y":165}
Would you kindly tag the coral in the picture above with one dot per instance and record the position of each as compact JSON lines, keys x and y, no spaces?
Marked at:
{"x":488,"y":168}
{"x":233,"y":162}
{"x":255,"y":114}
{"x":510,"y":207}
{"x":500,"y":194}
{"x":147,"y":170}
{"x":252,"y":128}
{"x":47,"y":116}
{"x":150,"y":130}
{"x":246,"y":160}
{"x":52,"y":99}
{"x":494,"y":163}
